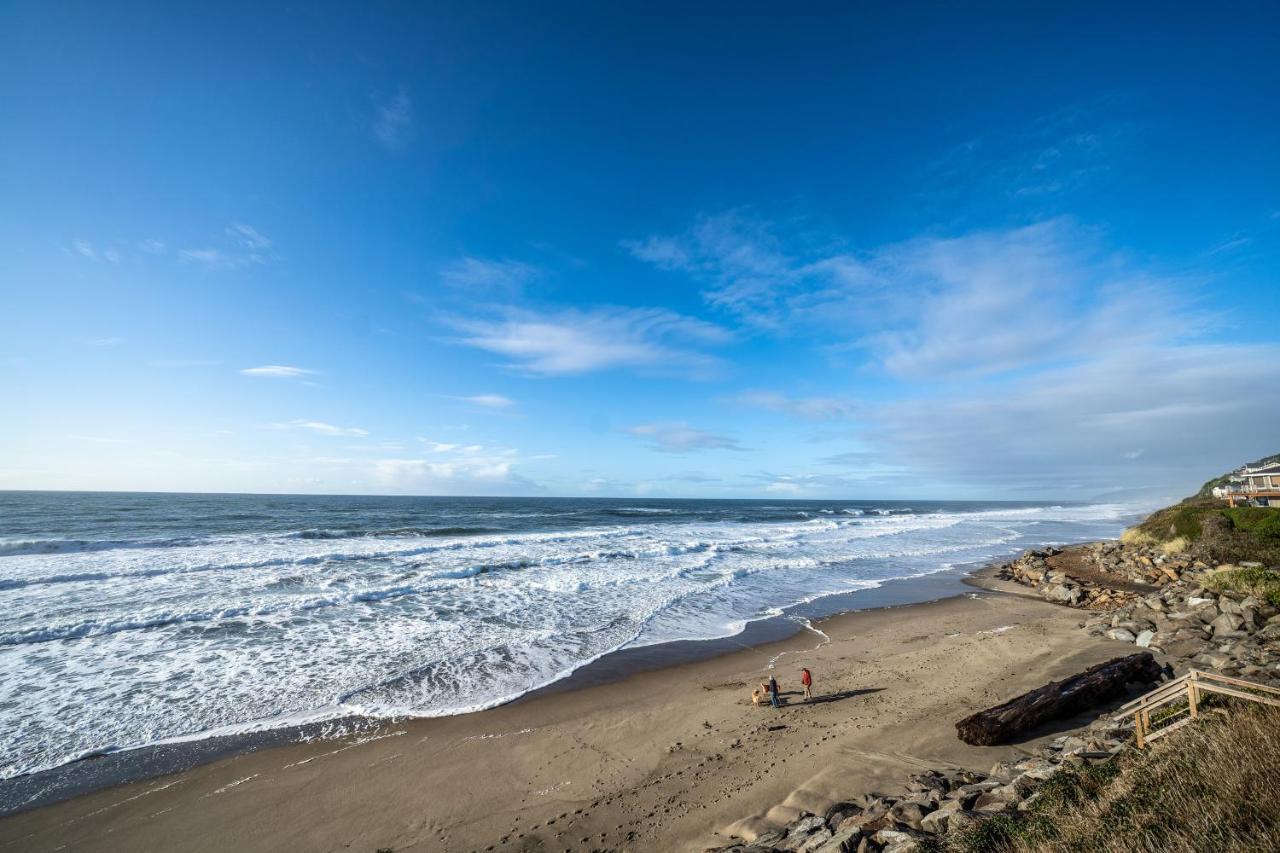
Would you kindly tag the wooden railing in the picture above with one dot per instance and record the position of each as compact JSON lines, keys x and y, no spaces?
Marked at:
{"x":1189,"y":687}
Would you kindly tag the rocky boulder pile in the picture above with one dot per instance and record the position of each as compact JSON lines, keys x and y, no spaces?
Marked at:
{"x":937,"y":803}
{"x":1158,"y":601}
{"x":1226,"y":632}
{"x":1037,"y":570}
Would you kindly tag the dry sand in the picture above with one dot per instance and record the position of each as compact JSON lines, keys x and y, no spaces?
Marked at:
{"x":661,"y":760}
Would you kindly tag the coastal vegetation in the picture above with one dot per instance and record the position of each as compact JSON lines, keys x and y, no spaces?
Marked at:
{"x":1216,"y":532}
{"x":1212,"y":787}
{"x":1254,"y":580}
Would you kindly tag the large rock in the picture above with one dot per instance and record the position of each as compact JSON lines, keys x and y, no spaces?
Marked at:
{"x":1062,"y":593}
{"x":845,"y":841}
{"x":908,"y":813}
{"x":1124,"y":635}
{"x":1226,"y":622}
{"x":961,"y":820}
{"x":995,"y":801}
{"x":1227,"y":606}
{"x":837,"y":813}
{"x":937,"y":822}
{"x":895,"y":841}
{"x":812,"y":842}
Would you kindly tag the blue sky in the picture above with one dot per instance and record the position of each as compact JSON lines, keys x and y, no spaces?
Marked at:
{"x":856,"y":250}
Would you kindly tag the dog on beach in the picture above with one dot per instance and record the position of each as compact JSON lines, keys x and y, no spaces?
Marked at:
{"x":756,"y":696}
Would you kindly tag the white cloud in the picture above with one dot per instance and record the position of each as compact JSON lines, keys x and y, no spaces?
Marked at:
{"x":682,"y":438}
{"x":248,"y":247}
{"x":208,"y":257}
{"x":248,"y":237}
{"x":393,"y":122}
{"x":809,"y":408}
{"x":469,"y":469}
{"x":104,"y":342}
{"x":1060,"y":432}
{"x":999,"y":301}
{"x":490,"y":401}
{"x":112,"y":255}
{"x":278,"y":371}
{"x":85,"y":249}
{"x":152,"y":247}
{"x":649,"y":340}
{"x":323,"y":428}
{"x":471,"y":273}
{"x":738,"y":259}
{"x":980,"y":303}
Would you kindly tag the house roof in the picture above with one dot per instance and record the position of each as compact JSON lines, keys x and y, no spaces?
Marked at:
{"x":1264,"y":471}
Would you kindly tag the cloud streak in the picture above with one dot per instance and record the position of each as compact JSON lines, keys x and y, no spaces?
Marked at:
{"x":570,"y":342}
{"x":808,"y":408}
{"x":393,"y":121}
{"x":322,"y":428}
{"x":279,"y":371}
{"x":480,"y":274}
{"x":495,"y":402}
{"x":682,"y":438}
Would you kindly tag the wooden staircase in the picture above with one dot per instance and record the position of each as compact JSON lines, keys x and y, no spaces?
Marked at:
{"x":1189,"y":688}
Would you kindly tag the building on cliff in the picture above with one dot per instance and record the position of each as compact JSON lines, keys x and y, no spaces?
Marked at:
{"x":1258,"y":486}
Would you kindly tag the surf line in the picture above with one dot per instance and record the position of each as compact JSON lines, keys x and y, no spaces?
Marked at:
{"x":808,"y":626}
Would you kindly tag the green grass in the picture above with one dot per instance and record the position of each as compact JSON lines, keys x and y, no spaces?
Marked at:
{"x":1213,"y":531}
{"x":1210,"y":786}
{"x":1258,"y":582}
{"x":1263,"y":521}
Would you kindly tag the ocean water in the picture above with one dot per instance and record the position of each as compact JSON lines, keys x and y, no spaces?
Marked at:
{"x":131,"y":619}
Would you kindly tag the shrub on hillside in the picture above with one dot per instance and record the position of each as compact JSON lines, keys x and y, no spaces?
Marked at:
{"x":1210,"y":786}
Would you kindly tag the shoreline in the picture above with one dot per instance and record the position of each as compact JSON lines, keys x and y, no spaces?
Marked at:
{"x":682,"y":738}
{"x":110,"y":768}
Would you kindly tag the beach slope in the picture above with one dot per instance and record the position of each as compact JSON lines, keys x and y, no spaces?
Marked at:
{"x":653,"y":761}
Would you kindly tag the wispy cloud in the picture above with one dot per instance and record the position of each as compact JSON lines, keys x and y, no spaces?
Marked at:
{"x":738,"y":259}
{"x":208,"y":257}
{"x":505,"y":276}
{"x":104,"y":342}
{"x":279,"y":371}
{"x":490,"y":401}
{"x":1061,"y":431}
{"x":682,"y":438}
{"x":649,"y":340}
{"x":393,"y":121}
{"x":692,"y":477}
{"x":246,"y":247}
{"x":152,"y":247}
{"x":810,"y":408}
{"x":84,"y":249}
{"x":249,"y":237}
{"x":979,"y":303}
{"x":322,"y":428}
{"x":186,"y":362}
{"x":456,"y":469}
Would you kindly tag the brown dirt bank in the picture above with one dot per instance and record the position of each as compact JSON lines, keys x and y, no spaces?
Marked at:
{"x":657,"y":760}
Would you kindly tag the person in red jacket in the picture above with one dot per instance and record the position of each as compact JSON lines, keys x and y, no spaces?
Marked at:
{"x":806,"y":678}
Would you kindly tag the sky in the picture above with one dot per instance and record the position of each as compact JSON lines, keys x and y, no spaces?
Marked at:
{"x":842,"y":250}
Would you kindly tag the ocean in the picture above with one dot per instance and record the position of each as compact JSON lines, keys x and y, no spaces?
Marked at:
{"x":135,"y":619}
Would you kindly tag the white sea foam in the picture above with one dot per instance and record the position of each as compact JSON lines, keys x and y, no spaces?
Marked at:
{"x":123,"y":642}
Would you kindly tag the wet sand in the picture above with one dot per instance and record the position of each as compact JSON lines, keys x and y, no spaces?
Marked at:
{"x":666,"y":759}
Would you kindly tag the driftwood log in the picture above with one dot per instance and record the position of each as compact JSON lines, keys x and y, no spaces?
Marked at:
{"x":1057,"y":699}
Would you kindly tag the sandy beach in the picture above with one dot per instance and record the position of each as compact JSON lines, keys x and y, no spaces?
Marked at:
{"x":675,"y":758}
